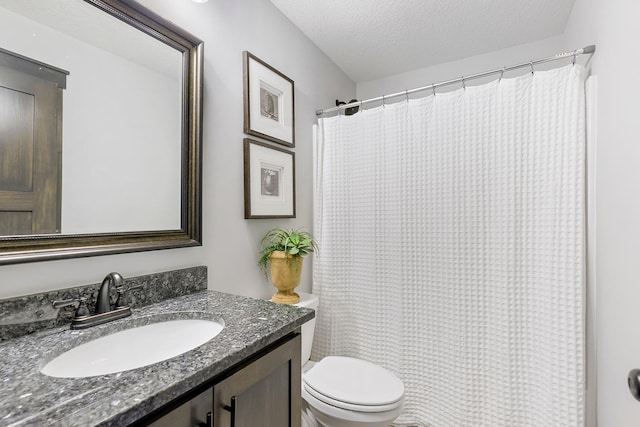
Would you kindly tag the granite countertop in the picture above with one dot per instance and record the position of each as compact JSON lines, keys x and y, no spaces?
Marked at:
{"x":30,"y":398}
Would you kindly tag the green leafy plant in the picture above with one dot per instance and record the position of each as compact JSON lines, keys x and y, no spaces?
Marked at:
{"x":296,"y":243}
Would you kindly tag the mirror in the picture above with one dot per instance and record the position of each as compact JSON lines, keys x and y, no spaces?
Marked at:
{"x":125,"y":174}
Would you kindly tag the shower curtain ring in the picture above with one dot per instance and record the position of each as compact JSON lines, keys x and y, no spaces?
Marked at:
{"x":433,"y":89}
{"x":464,"y":86}
{"x":531,"y":65}
{"x":574,"y":58}
{"x":383,"y":102}
{"x":502,"y":73}
{"x":406,"y":95}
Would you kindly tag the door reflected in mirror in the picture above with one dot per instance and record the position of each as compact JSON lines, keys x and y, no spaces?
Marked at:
{"x":121,"y":121}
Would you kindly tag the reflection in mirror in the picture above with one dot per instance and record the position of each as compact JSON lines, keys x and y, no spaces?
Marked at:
{"x":124,"y":132}
{"x":120,"y":115}
{"x":30,"y":145}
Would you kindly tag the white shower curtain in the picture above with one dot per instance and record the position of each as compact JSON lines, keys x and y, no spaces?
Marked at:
{"x":452,"y":249}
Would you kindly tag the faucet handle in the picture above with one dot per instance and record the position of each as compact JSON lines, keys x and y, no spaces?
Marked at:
{"x":122,"y":302}
{"x":64,"y":302}
{"x":81,"y":309}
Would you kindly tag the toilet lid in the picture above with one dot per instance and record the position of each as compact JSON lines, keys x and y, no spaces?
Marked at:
{"x":354,"y":382}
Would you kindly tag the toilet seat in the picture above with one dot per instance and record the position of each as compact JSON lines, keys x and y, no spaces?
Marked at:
{"x":350,"y":406}
{"x":330,"y":415}
{"x":354,"y":385}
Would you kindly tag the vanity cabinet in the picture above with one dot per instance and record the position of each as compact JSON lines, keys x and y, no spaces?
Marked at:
{"x":264,"y":390}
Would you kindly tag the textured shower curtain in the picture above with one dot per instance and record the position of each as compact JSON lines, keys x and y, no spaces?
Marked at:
{"x":452,"y":249}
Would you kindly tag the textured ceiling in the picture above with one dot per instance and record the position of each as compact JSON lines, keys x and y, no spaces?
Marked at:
{"x":370,"y":39}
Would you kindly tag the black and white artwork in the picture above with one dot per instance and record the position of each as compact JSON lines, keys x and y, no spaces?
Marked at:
{"x":269,"y":103}
{"x":270,"y":182}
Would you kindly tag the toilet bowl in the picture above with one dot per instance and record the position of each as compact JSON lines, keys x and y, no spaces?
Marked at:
{"x":344,"y":391}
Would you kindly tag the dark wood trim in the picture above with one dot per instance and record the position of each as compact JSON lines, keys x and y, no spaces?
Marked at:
{"x":193,"y":168}
{"x":247,"y":101}
{"x":58,"y":159}
{"x":51,"y":247}
{"x":19,"y":201}
{"x":148,"y":22}
{"x":247,"y":178}
{"x":34,"y":68}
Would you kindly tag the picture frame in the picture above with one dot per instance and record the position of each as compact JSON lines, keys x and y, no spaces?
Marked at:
{"x":269,"y":181}
{"x":269,"y":111}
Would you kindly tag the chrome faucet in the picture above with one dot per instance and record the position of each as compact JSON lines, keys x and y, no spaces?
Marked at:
{"x":103,"y":303}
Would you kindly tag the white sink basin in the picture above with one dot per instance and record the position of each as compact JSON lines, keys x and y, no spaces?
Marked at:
{"x":132,"y":348}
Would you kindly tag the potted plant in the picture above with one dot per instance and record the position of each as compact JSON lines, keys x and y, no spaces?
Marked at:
{"x":285,"y":250}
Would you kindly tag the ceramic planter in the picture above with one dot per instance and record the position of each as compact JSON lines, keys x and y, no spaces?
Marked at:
{"x":286,"y":271}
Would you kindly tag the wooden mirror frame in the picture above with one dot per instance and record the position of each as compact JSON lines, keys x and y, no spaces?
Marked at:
{"x":19,"y":249}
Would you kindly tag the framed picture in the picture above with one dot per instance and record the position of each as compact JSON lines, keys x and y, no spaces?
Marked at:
{"x":269,"y":181}
{"x":268,"y":102}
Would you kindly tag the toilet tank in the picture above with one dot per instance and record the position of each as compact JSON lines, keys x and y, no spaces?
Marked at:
{"x":307,"y":301}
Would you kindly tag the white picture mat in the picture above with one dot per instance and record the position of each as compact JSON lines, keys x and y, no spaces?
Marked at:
{"x":283,"y":128}
{"x":263,"y":157}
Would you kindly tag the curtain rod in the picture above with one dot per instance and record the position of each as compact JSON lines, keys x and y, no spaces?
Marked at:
{"x":585,"y":50}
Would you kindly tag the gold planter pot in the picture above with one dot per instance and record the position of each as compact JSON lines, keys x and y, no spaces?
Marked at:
{"x":286,"y":271}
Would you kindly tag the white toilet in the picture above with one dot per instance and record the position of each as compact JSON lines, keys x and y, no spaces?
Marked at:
{"x":343,"y":391}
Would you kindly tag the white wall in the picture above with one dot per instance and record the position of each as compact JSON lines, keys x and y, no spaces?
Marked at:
{"x":117,"y":150}
{"x":227,"y":27}
{"x":613,"y":26}
{"x":463,"y":67}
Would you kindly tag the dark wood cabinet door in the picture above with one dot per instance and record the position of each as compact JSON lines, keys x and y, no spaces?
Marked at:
{"x":30,"y":154}
{"x":265,"y":393}
{"x":194,"y":413}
